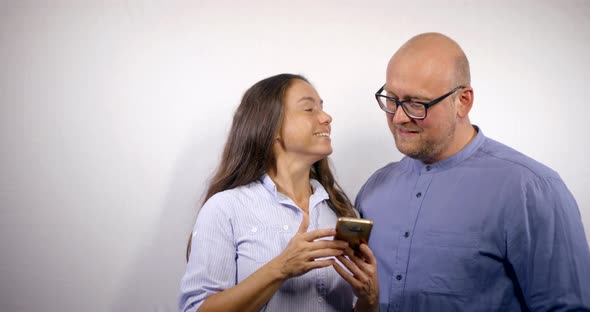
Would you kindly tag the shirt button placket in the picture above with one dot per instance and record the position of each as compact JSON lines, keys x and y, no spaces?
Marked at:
{"x":398,"y":278}
{"x":397,"y":298}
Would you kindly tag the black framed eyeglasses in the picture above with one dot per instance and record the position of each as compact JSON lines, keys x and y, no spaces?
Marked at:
{"x":414,"y":110}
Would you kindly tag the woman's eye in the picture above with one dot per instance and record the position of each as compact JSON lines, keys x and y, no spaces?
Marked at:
{"x":309,"y":109}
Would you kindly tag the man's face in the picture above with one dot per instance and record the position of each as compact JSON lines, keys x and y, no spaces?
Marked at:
{"x":413,"y":78}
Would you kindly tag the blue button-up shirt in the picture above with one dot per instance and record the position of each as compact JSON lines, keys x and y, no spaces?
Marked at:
{"x":488,"y":229}
{"x":239,"y":230}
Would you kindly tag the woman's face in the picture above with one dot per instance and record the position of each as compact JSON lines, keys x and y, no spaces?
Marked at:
{"x":305,"y":132}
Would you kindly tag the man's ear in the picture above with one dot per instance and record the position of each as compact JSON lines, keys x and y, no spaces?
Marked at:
{"x":465,"y":102}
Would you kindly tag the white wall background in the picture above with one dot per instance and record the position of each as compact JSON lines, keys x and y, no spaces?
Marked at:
{"x":113,"y":115}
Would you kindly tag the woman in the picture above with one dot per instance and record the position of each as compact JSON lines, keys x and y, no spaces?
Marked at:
{"x":262,"y":240}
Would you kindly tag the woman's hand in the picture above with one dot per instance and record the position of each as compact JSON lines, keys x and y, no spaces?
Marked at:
{"x":299,"y":257}
{"x":363,"y":267}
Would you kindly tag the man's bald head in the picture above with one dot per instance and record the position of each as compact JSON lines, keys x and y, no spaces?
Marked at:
{"x":430,"y":67}
{"x":437,"y":52}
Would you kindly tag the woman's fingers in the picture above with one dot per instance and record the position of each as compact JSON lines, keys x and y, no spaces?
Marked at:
{"x":320,"y":233}
{"x":305,"y":247}
{"x":308,"y":250}
{"x":368,"y":254}
{"x":368,"y":263}
{"x":320,"y":264}
{"x":353,"y":268}
{"x":359,"y":263}
{"x":323,"y":244}
{"x":304,"y":224}
{"x":323,"y":253}
{"x":345,"y":275}
{"x":361,"y":274}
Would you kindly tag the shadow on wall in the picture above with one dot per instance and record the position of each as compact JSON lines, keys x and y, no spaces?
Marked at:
{"x":153,"y":281}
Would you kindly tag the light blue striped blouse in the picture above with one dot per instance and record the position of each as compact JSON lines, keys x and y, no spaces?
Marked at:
{"x":239,"y":230}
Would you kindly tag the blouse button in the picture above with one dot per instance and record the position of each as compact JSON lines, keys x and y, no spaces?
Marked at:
{"x":254,"y":229}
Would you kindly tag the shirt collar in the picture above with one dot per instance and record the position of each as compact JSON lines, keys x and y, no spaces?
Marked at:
{"x":268,"y":184}
{"x":319,"y":192}
{"x":460,"y":156}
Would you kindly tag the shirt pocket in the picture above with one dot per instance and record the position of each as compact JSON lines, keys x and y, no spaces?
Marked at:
{"x":263,"y":242}
{"x":450,"y":263}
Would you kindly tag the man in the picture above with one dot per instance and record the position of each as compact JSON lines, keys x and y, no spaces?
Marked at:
{"x":464,"y":223}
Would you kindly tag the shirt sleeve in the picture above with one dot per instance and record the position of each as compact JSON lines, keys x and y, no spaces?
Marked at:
{"x":211,"y":266}
{"x":547,"y":248}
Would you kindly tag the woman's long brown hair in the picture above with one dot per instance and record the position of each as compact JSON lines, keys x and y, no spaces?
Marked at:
{"x":248,"y":153}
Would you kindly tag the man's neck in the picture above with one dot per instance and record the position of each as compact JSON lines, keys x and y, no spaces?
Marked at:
{"x":463,"y":137}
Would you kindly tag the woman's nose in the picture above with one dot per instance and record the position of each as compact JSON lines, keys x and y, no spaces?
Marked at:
{"x":325,"y":118}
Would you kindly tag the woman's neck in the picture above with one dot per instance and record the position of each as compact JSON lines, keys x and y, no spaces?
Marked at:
{"x":293,"y":181}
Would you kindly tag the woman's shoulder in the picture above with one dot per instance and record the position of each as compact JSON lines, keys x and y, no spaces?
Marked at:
{"x":226,"y":201}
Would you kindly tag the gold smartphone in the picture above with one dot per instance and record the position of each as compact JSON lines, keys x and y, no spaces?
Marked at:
{"x":353,"y":230}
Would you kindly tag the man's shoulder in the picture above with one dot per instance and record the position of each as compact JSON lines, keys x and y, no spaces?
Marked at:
{"x":385,"y":173}
{"x":389,"y":169}
{"x":509,"y":158}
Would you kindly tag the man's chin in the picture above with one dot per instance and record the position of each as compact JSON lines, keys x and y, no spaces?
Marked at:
{"x":408,"y":149}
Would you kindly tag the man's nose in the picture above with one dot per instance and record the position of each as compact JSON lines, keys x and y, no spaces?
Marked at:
{"x":400,"y":116}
